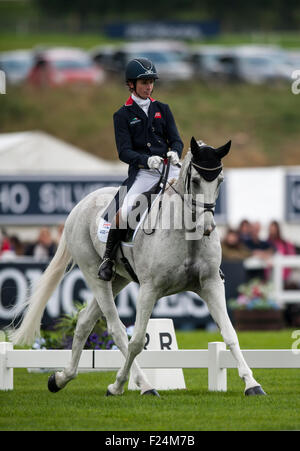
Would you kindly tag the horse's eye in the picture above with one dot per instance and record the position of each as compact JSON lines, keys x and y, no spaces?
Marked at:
{"x":196,"y":182}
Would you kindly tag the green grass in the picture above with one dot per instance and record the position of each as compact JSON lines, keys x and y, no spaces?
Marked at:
{"x":82,"y":405}
{"x":261,"y":121}
{"x":18,"y":40}
{"x":14,"y":41}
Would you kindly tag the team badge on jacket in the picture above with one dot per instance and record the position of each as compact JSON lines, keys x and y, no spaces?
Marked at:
{"x":135,"y":120}
{"x":157,"y":115}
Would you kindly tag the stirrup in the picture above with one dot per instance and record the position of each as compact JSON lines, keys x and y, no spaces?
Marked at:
{"x":106,"y":271}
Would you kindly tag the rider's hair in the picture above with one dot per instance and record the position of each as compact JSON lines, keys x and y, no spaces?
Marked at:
{"x":134,"y":84}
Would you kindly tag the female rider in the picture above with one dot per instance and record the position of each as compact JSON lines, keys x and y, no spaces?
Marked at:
{"x":145,"y":133}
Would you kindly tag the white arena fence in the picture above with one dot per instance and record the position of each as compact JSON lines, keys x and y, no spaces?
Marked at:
{"x":216,"y":358}
{"x":278,"y":262}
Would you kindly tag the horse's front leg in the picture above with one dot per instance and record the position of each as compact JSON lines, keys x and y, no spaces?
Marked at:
{"x":213,"y":292}
{"x":144,"y":306}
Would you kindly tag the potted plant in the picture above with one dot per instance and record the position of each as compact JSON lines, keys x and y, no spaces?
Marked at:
{"x":254,"y":308}
{"x":61,"y":337}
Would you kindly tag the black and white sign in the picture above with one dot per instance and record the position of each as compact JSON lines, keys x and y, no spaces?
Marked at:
{"x":49,"y":200}
{"x":17,"y":278}
{"x":163,"y":30}
{"x":46,"y":200}
{"x":293,"y":197}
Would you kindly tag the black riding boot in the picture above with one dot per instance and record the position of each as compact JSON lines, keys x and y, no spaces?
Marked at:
{"x":106,"y":268}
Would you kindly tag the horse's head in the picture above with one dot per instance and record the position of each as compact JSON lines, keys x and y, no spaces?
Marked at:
{"x":206,"y":176}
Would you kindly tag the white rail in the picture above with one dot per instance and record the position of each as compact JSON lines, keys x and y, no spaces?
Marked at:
{"x":216,"y":358}
{"x":279,"y":263}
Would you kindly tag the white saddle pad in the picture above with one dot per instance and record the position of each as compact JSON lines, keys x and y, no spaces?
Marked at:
{"x":104,"y":226}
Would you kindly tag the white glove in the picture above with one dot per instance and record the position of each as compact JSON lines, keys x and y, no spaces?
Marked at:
{"x":154,"y":162}
{"x":174,"y":157}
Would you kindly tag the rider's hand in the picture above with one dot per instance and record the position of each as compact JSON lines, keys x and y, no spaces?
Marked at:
{"x":173,"y":156}
{"x":154,"y":162}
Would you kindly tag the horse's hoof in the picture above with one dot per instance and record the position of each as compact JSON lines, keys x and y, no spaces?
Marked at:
{"x":109,"y":393}
{"x":52,"y":384}
{"x":255,"y":391}
{"x":152,"y":392}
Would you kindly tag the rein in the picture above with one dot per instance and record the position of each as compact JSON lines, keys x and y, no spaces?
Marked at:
{"x":162,"y":183}
{"x":207,"y":207}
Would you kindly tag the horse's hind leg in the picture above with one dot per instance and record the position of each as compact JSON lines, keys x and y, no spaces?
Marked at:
{"x":87,"y":319}
{"x":212,"y":291}
{"x":104,"y":293}
{"x":144,"y":306}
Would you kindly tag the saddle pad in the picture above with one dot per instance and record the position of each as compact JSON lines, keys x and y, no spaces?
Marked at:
{"x":104,"y":225}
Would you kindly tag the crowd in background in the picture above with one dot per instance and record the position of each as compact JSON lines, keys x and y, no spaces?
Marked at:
{"x":43,"y":248}
{"x":237,"y":244}
{"x":245,"y":242}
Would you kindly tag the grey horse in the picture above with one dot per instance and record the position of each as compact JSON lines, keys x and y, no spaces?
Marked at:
{"x":172,"y":259}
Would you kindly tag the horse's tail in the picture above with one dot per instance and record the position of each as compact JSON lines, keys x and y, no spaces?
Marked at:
{"x":30,"y":326}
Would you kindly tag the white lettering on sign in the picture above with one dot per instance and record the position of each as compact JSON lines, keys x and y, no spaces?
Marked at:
{"x":17,"y":278}
{"x":62,"y":197}
{"x":185,"y":304}
{"x":295,"y":196}
{"x":14,"y":198}
{"x":22,"y":281}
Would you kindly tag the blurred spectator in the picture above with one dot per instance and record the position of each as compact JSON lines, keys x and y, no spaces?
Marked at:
{"x":244,"y":230}
{"x":276,"y":240}
{"x":232,"y":246}
{"x":259,"y":248}
{"x":44,"y":247}
{"x":17,"y":246}
{"x":4,"y":242}
{"x":282,"y":246}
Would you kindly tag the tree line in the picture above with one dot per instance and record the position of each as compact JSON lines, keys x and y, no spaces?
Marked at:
{"x":234,"y":15}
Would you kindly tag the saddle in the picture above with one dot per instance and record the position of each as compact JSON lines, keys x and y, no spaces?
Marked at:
{"x":145,"y":200}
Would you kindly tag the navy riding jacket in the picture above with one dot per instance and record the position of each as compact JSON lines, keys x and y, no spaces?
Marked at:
{"x":139,"y":136}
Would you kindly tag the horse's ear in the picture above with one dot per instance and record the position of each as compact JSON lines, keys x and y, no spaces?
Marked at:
{"x":223,"y":150}
{"x":194,"y":146}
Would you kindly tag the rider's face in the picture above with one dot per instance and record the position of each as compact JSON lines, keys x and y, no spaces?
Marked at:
{"x":144,"y":88}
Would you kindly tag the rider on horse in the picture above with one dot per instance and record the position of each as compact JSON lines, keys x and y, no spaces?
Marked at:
{"x":145,"y":133}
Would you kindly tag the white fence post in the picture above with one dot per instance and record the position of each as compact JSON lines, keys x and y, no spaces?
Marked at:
{"x":6,"y":374}
{"x":217,"y":377}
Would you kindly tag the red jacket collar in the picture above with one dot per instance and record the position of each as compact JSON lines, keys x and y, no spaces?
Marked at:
{"x":129,"y":101}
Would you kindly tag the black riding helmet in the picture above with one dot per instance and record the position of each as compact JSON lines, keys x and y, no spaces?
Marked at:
{"x":140,"y":68}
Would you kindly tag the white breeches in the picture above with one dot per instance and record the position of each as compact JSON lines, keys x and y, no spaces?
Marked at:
{"x":145,"y":180}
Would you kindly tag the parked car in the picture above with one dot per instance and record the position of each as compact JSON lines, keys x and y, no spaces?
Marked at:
{"x":258,"y":64}
{"x":16,"y":64}
{"x":207,"y":61}
{"x":288,"y":62}
{"x":170,"y":58}
{"x":246,"y":63}
{"x":59,"y":66}
{"x":103,"y":56}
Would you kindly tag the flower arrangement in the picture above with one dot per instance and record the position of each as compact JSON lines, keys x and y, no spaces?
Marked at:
{"x":255,"y":294}
{"x":62,"y":335}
